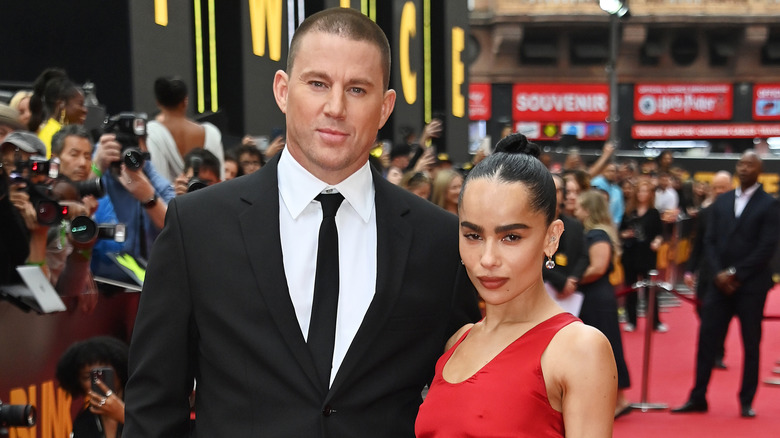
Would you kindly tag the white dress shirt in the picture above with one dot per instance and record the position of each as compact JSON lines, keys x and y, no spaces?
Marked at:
{"x":299,"y":223}
{"x":741,"y":198}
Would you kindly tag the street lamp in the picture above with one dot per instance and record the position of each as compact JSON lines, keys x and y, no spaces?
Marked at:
{"x":616,"y":10}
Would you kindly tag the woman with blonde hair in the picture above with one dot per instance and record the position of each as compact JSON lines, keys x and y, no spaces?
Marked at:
{"x":446,"y":190}
{"x":599,"y":308}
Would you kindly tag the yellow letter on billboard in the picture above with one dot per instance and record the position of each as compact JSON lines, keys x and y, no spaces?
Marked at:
{"x":408,"y":31}
{"x":262,"y":13}
{"x":458,"y":72}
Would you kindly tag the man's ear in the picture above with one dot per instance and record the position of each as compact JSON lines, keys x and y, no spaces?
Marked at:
{"x":281,"y":87}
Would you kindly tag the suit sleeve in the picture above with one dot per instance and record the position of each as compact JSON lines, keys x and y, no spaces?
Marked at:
{"x":465,"y":308}
{"x":161,"y":370}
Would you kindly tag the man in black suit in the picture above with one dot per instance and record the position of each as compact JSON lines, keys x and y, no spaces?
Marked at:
{"x":742,"y":234}
{"x":228,"y":298}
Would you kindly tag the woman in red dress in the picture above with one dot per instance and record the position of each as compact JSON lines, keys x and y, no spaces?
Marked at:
{"x":528,"y":369}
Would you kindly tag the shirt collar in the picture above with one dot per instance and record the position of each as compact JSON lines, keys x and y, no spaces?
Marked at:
{"x":298,"y":187}
{"x":749,"y":192}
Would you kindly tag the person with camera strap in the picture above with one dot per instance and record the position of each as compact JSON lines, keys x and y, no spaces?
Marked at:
{"x":136,"y":194}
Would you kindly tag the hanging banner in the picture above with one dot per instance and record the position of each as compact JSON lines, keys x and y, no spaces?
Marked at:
{"x":480,"y":101}
{"x":654,"y":102}
{"x":766,"y":102}
{"x":720,"y":130}
{"x":560,"y":102}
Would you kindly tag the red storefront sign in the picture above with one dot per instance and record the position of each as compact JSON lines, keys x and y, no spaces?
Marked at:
{"x":480,"y":101}
{"x":693,"y":131}
{"x":766,"y":102}
{"x":560,"y":102}
{"x":655,"y":102}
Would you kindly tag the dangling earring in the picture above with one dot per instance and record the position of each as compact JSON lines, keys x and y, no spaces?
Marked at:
{"x":62,"y":117}
{"x":549,"y":264}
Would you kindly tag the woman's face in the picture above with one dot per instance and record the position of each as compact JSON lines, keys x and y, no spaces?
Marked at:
{"x":643,"y":194}
{"x":85,"y":377}
{"x":502,"y":240}
{"x":628,"y":190}
{"x":579,"y":212}
{"x":75,"y":110}
{"x":572,"y":193}
{"x":231,"y":169}
{"x":453,"y":190}
{"x":24,"y":111}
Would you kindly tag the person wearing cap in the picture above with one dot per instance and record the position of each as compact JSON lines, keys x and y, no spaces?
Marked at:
{"x":14,"y":238}
{"x":69,"y":275}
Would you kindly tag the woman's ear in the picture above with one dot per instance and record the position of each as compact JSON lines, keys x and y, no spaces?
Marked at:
{"x":554,"y":232}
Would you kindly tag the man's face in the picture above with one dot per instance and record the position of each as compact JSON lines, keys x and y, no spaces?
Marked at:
{"x":10,"y":155}
{"x":721,"y":184}
{"x":610,"y":173}
{"x":76,"y":158}
{"x":748,"y":169}
{"x":204,"y":174}
{"x":335,"y":103}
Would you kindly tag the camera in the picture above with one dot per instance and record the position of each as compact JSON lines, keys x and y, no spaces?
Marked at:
{"x":90,"y":187}
{"x":195,"y":183}
{"x":48,"y":211}
{"x":128,"y":127}
{"x":17,"y":415}
{"x":84,"y":230}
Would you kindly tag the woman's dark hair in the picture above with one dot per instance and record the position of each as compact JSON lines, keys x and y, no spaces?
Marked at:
{"x":170,"y":91}
{"x":52,"y":85}
{"x":100,"y":349}
{"x":517,"y":160}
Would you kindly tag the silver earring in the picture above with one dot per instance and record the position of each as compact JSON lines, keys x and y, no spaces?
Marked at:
{"x":549,"y":264}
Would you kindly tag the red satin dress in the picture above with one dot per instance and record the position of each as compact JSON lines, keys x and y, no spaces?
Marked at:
{"x":505,"y":398}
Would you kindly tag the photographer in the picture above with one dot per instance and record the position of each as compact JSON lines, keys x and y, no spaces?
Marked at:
{"x":201,"y":169}
{"x":14,"y":237}
{"x":136,"y":197}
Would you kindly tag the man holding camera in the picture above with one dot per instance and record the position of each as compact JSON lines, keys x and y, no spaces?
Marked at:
{"x":201,"y":169}
{"x":138,"y":195}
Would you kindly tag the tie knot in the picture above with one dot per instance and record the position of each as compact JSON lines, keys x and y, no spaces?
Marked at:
{"x":330,"y":203}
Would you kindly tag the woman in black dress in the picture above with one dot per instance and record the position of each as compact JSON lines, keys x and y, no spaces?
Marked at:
{"x":599,"y":307}
{"x":640,"y":232}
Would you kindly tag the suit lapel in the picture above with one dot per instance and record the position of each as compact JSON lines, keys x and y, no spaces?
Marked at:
{"x":260,"y":230}
{"x":394,"y":239}
{"x":750,"y":207}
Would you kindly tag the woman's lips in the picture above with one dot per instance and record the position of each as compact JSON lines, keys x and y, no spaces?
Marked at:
{"x":492,"y":282}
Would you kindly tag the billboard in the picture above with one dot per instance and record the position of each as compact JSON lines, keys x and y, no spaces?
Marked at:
{"x":656,"y":102}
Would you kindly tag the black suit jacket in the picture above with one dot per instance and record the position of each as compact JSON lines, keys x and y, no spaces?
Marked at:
{"x":570,"y":258}
{"x":746,"y":243}
{"x":216,"y":307}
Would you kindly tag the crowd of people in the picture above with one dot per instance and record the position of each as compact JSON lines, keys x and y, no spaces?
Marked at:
{"x":418,"y":244}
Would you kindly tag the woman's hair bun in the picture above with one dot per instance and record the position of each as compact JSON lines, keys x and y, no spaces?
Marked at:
{"x":518,"y":144}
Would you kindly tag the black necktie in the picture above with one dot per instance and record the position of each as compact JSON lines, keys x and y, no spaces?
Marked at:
{"x":322,"y":328}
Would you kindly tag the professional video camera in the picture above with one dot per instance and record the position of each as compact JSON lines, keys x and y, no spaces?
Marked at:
{"x":84,"y":230}
{"x":17,"y":416}
{"x":35,"y":174}
{"x":128,"y":128}
{"x":195,"y":183}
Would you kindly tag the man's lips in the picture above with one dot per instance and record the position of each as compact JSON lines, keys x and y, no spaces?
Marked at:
{"x":492,"y":282}
{"x":332,"y":134}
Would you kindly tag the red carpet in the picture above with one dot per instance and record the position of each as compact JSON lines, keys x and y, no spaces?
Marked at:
{"x":671,"y":377}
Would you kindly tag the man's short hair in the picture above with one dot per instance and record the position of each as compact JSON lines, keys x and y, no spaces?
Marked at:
{"x":58,"y":140}
{"x":347,"y":23}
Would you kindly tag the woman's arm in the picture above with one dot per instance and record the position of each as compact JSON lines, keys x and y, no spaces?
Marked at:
{"x":600,"y":254}
{"x":588,"y":382}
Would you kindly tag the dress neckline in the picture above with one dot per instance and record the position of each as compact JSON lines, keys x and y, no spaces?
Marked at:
{"x":480,"y":370}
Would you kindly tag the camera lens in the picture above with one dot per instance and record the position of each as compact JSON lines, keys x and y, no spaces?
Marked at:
{"x":133,"y":158}
{"x":17,"y":415}
{"x":83,"y":229}
{"x":195,"y":184}
{"x":49,"y":212}
{"x":90,"y":187}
